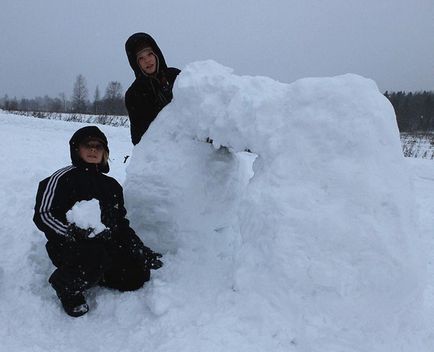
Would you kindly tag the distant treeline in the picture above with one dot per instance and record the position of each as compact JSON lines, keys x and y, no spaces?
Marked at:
{"x":111,"y":103}
{"x":414,"y":111}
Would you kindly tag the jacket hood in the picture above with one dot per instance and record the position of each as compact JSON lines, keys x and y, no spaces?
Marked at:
{"x":88,"y":132}
{"x":139,"y":39}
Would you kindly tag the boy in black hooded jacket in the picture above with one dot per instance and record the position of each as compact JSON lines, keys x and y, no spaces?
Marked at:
{"x":115,"y":257}
{"x":152,"y":89}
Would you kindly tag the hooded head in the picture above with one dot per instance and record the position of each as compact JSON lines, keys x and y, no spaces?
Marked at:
{"x":82,"y":136}
{"x":138,"y":42}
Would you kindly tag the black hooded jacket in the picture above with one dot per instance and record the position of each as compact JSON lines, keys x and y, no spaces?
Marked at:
{"x":148,"y":95}
{"x":80,"y":181}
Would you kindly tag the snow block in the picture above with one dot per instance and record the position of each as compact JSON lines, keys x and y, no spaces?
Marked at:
{"x":310,"y":246}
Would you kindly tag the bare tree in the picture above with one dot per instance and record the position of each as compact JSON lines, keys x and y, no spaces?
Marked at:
{"x":113,"y":99}
{"x":62,"y":97}
{"x":80,"y":95}
{"x":96,"y":101}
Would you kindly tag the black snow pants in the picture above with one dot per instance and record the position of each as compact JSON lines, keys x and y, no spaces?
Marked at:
{"x":83,"y":264}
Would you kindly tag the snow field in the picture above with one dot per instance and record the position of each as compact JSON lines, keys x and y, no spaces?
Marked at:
{"x":309,"y":244}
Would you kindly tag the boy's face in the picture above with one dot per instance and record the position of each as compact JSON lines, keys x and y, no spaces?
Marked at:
{"x":147,"y":61}
{"x":91,"y":151}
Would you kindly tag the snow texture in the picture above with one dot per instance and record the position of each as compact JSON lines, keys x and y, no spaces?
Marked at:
{"x":316,"y":252}
{"x":316,"y":241}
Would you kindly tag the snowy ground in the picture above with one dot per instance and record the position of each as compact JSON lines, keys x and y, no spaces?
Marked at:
{"x":215,"y":270}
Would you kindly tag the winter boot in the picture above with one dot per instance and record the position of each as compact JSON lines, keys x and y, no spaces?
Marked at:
{"x":74,"y":305}
{"x":70,"y":295}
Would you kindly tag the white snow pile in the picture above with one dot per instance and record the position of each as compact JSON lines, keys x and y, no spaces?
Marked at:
{"x":306,"y":244}
{"x":86,"y":214}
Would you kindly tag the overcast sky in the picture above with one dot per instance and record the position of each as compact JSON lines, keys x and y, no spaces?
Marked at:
{"x":45,"y":44}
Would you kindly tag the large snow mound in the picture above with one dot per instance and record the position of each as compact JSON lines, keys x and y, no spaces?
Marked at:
{"x":307,"y":244}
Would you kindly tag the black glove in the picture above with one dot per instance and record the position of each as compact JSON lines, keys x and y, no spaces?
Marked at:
{"x":76,"y":233}
{"x":143,"y":254}
{"x":152,"y":260}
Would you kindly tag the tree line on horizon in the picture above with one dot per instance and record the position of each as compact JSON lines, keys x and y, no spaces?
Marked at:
{"x":111,"y":103}
{"x":414,"y":110}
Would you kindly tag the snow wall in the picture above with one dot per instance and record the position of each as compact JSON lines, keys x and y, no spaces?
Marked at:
{"x":306,"y":244}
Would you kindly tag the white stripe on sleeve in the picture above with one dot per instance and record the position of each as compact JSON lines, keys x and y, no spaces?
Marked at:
{"x":47,"y":199}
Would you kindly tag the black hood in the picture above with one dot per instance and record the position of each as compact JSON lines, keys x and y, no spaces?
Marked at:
{"x":81,"y":135}
{"x":138,"y":39}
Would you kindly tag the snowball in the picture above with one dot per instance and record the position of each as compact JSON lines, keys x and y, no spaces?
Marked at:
{"x":86,"y":214}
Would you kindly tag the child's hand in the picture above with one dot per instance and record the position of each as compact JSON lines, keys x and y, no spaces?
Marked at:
{"x":76,"y":233}
{"x":153,"y":260}
{"x":104,"y":235}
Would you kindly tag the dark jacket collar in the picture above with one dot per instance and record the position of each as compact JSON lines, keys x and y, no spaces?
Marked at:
{"x":93,"y":168}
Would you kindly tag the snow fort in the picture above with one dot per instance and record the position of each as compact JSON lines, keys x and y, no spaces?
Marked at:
{"x":292,"y":230}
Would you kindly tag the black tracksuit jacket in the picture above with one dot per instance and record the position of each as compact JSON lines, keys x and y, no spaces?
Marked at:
{"x":81,"y":264}
{"x":58,"y":193}
{"x":80,"y":181}
{"x":148,"y":95}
